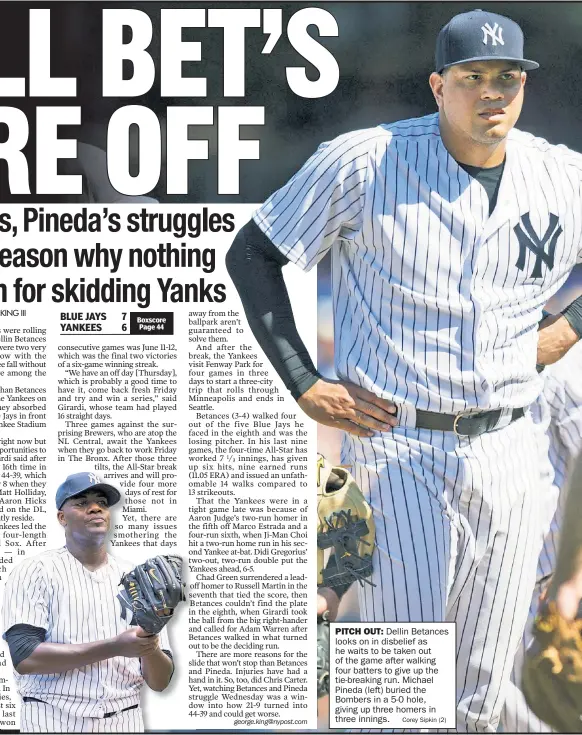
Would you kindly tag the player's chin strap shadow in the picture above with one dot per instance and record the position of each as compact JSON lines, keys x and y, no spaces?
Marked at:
{"x":345,"y":533}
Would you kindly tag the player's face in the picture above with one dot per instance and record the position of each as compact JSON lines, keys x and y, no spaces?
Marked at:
{"x":86,"y":517}
{"x":480,"y":101}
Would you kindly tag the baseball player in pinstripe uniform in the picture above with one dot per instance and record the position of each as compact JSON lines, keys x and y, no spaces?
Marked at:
{"x":448,"y":234}
{"x":560,"y":405}
{"x":79,"y":666}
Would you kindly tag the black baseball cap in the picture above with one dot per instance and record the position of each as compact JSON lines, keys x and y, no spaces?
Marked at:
{"x":480,"y":36}
{"x":82,"y":482}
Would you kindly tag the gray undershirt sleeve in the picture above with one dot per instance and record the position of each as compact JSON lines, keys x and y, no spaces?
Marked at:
{"x":22,"y":640}
{"x":255,"y":266}
{"x":573,"y":314}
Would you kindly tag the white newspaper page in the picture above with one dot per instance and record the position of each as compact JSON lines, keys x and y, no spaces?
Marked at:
{"x":130,"y":358}
{"x":289,"y":362}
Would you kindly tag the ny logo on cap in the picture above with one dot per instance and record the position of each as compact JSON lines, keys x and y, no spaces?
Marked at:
{"x":495,"y":34}
{"x":528,"y":240}
{"x":93,"y":478}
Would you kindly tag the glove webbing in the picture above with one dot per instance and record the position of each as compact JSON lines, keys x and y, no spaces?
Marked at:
{"x":344,"y":533}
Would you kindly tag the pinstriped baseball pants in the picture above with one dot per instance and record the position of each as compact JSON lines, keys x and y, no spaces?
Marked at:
{"x":516,"y":715}
{"x":458,"y":534}
{"x":43,"y":717}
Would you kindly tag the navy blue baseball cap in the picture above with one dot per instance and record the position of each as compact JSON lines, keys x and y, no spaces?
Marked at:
{"x":82,"y":482}
{"x":480,"y":36}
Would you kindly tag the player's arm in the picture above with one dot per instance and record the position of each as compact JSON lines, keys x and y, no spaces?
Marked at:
{"x":255,"y":266}
{"x":566,"y":584}
{"x":157,"y":669}
{"x":31,"y":654}
{"x":559,"y":332}
{"x":327,"y":601}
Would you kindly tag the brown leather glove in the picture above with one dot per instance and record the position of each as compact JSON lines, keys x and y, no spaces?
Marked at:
{"x":552,"y":671}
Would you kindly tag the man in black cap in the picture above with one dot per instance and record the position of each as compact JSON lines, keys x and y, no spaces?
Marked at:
{"x":448,"y":233}
{"x":79,"y":666}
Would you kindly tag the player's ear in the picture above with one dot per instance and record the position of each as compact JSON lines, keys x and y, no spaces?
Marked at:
{"x":61,"y":518}
{"x":436,"y":84}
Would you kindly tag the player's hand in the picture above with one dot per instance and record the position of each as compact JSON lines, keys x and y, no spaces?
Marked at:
{"x":555,"y":337}
{"x":141,"y":633}
{"x":136,"y":643}
{"x":327,"y":600}
{"x":348,"y":406}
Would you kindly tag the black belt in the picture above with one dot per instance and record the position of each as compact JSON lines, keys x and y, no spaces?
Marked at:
{"x":108,"y":714}
{"x":467,"y":423}
{"x":125,"y":709}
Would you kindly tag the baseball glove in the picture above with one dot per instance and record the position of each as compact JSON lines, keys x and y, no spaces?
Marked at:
{"x":345,"y":525}
{"x":322,"y":655}
{"x":552,"y":670}
{"x":151,"y":592}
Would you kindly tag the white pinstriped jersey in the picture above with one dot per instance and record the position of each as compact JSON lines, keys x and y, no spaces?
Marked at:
{"x":436,"y":303}
{"x":559,"y":411}
{"x":563,"y":395}
{"x":56,"y":592}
